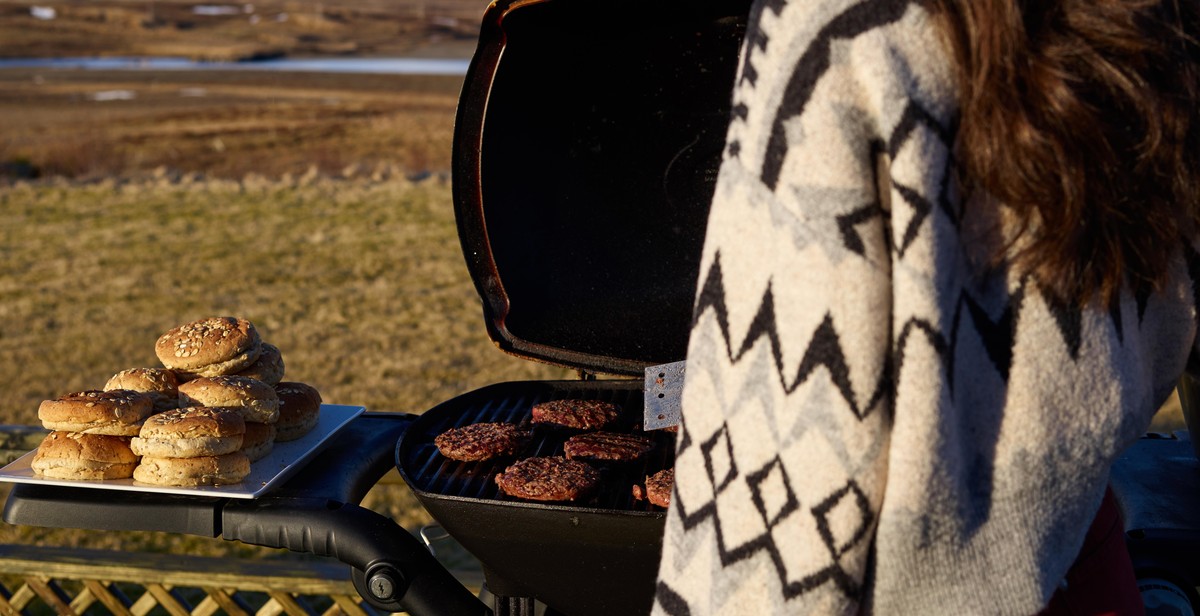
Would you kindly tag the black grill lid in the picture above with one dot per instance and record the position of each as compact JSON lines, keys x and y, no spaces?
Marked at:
{"x":586,"y":149}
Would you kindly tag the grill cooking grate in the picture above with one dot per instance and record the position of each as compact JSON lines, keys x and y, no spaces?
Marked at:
{"x":434,"y":473}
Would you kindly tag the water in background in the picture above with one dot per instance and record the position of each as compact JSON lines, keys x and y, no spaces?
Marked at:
{"x":390,"y":66}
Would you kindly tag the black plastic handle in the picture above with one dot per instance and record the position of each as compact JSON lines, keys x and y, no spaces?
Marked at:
{"x":398,"y":573}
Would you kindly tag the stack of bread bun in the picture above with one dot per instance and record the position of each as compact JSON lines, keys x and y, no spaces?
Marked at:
{"x":255,"y":401}
{"x":217,"y":405}
{"x":191,"y":446}
{"x":90,"y":434}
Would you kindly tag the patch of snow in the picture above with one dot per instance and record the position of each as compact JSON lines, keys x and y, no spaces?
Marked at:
{"x":215,"y":9}
{"x":113,"y":95}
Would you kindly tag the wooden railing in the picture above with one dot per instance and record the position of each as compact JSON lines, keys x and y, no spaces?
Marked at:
{"x":48,"y":580}
{"x":68,"y":581}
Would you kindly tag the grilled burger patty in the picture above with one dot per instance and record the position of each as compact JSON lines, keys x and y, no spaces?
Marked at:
{"x":607,"y":446}
{"x":548,"y":479}
{"x":582,"y":414}
{"x":658,"y":488}
{"x":481,"y":441}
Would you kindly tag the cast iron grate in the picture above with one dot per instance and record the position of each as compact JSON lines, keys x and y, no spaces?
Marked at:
{"x":436,"y":474}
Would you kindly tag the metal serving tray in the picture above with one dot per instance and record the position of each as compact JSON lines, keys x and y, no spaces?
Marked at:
{"x":284,"y":460}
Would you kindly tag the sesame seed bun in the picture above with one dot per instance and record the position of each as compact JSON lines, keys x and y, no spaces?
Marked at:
{"x":268,"y":368}
{"x":258,"y":441}
{"x":202,"y":471}
{"x":73,"y":455}
{"x":209,"y":347}
{"x":118,"y":412}
{"x":161,"y":384}
{"x":255,"y":400}
{"x":189,"y":433}
{"x":299,"y":410}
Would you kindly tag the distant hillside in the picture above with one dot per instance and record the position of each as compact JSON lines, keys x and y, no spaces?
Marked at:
{"x":225,"y":30}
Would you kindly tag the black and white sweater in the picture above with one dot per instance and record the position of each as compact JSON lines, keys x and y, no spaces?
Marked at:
{"x":873,"y":422}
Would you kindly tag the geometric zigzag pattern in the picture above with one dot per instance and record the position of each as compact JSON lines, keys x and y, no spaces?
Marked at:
{"x":822,"y":354}
{"x":840,"y":513}
{"x":823,"y":351}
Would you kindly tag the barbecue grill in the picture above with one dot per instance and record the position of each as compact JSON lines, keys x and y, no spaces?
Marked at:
{"x":585,"y":155}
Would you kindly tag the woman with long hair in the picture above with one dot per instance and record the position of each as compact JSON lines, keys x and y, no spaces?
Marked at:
{"x":949,"y":275}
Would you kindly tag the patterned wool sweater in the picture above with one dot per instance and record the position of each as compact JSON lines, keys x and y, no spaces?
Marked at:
{"x":874,"y":422}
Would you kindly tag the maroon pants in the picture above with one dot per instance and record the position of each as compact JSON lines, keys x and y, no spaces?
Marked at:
{"x":1102,"y":580}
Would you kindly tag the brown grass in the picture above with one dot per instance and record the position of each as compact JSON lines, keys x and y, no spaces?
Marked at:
{"x":225,"y":125}
{"x":272,"y":27}
{"x":360,"y":284}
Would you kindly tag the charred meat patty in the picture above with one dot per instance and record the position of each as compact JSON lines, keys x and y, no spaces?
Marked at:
{"x":581,"y":414}
{"x":548,"y":479}
{"x":658,"y":488}
{"x":607,"y":446}
{"x":481,"y":441}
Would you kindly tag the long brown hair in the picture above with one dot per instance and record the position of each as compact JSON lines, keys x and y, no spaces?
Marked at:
{"x":1078,"y":115}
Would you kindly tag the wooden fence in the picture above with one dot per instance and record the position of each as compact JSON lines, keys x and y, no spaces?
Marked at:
{"x":47,"y":580}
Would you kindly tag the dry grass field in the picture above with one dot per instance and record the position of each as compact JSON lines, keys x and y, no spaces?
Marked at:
{"x":224,"y":30}
{"x":223,"y":124}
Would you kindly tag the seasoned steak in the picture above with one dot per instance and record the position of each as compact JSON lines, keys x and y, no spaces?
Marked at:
{"x":582,"y":414}
{"x":481,"y":441}
{"x":548,"y":479}
{"x":658,"y":488}
{"x":607,"y":446}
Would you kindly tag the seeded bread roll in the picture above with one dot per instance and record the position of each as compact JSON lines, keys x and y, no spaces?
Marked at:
{"x":209,"y":347}
{"x":190,"y":432}
{"x":161,"y":384}
{"x":258,"y":441}
{"x":119,"y":412}
{"x":203,"y":471}
{"x":73,"y":455}
{"x":268,"y":368}
{"x":255,"y":400}
{"x":299,"y":410}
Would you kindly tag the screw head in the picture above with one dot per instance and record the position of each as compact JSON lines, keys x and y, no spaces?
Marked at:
{"x":382,"y":587}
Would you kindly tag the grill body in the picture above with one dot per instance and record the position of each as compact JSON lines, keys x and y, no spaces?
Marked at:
{"x":598,"y":556}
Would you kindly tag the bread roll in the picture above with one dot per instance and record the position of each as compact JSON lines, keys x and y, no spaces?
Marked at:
{"x":255,"y":400}
{"x":203,"y":471}
{"x":299,"y":410}
{"x":268,"y":368}
{"x":209,"y":347}
{"x":160,"y":384}
{"x":118,"y":412}
{"x":190,"y":433}
{"x":258,"y":441}
{"x":74,"y":455}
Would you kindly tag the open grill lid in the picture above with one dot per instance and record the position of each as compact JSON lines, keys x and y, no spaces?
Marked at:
{"x":586,"y":148}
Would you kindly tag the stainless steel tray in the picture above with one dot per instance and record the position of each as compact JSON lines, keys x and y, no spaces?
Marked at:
{"x":283,"y":461}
